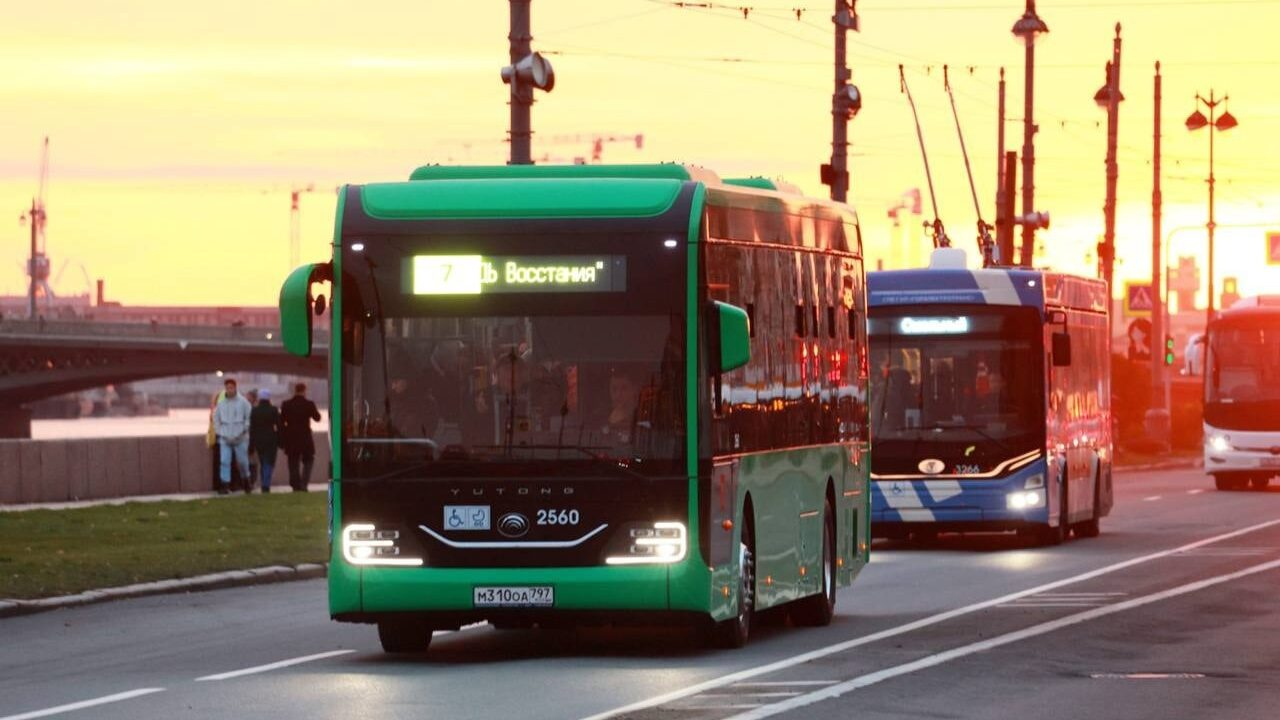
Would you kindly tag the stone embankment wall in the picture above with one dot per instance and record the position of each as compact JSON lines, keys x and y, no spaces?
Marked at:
{"x":100,"y":468}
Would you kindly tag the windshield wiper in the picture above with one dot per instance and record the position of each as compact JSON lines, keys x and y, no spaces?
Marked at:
{"x":975,"y":428}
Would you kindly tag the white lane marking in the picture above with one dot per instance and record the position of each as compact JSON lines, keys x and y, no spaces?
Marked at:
{"x":464,"y":628}
{"x":843,"y":688}
{"x":83,"y":704}
{"x":1016,"y":605}
{"x":1197,"y":491}
{"x":777,"y":694}
{"x":272,"y":666}
{"x":785,"y":683}
{"x":1080,"y":594}
{"x":941,"y":617}
{"x":1151,"y":498}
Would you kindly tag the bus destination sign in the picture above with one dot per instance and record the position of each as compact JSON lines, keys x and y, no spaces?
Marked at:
{"x":483,"y":275}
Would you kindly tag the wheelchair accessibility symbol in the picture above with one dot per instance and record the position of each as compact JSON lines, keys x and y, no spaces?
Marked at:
{"x":466,"y":517}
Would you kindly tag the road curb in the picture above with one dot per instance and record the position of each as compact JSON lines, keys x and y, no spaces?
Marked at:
{"x":214,"y":581}
{"x":1188,"y":464}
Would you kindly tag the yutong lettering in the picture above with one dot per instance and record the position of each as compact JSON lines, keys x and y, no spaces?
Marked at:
{"x":521,"y":491}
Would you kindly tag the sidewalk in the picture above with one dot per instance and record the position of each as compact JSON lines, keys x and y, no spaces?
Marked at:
{"x":282,"y":490}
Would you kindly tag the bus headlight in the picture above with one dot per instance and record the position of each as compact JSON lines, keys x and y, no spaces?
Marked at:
{"x":661,"y":542}
{"x":1219,"y":443}
{"x":1025,"y":499}
{"x":367,"y":545}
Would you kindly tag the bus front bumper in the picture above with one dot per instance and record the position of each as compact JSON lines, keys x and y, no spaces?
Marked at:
{"x":447,"y":597}
{"x":1005,"y":504}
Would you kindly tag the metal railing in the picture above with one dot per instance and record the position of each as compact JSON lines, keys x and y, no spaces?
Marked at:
{"x":71,"y":329}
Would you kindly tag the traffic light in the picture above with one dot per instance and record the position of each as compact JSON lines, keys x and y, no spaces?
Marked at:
{"x":1168,"y":350}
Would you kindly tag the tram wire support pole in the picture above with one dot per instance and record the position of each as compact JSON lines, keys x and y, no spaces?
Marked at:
{"x":1109,"y":98}
{"x":846,"y":101}
{"x":528,"y":71}
{"x":1004,"y":225}
{"x":1158,"y":420}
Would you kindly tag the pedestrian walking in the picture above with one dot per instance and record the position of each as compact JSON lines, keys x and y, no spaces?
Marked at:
{"x":296,"y":415}
{"x":231,"y":423}
{"x":247,"y":484}
{"x":264,"y":435}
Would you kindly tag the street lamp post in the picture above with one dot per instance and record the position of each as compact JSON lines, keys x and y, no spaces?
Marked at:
{"x":1027,"y":29}
{"x":1196,"y":121}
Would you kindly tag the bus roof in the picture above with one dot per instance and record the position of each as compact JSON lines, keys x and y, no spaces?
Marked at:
{"x":656,"y":171}
{"x":988,"y":286}
{"x":519,"y":198}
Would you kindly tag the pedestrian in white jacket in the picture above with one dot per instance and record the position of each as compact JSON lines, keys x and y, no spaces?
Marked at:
{"x":231,"y":423}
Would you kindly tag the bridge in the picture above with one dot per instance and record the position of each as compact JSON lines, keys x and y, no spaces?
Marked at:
{"x":41,"y":359}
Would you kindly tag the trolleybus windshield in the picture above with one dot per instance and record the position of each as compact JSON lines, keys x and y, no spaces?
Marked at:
{"x":960,"y":384}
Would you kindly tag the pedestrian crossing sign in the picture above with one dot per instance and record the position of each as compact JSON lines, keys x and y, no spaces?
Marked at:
{"x":1139,"y":299}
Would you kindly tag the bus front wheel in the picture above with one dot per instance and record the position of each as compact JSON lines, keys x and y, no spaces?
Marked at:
{"x":404,"y":636}
{"x":733,"y":633}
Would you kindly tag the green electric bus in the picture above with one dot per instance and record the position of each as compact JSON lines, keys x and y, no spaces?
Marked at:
{"x":590,"y":394}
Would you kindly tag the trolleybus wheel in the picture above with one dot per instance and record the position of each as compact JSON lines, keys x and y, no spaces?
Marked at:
{"x":1055,"y":535}
{"x":1092,"y":527}
{"x":817,"y":610}
{"x":733,"y":633}
{"x":404,"y":636}
{"x":1260,"y":482}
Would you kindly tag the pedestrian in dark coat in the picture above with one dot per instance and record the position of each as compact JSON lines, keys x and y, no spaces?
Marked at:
{"x":296,"y":415}
{"x":264,"y":428}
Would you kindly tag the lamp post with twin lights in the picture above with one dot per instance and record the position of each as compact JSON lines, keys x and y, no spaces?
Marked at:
{"x":1196,"y":121}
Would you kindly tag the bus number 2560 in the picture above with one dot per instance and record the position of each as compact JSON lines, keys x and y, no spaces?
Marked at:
{"x":558,"y":517}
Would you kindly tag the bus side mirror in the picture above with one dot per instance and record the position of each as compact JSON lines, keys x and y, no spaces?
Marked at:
{"x":731,"y":330}
{"x":1061,"y":349}
{"x":296,"y":305}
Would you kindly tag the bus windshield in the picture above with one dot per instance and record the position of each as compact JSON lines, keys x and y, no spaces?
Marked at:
{"x":530,"y":365}
{"x":1242,"y":383}
{"x":960,"y":384}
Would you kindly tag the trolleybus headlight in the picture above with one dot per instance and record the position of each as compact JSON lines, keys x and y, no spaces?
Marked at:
{"x":661,"y":542}
{"x":1219,"y":443}
{"x":1025,"y":499}
{"x":367,"y":545}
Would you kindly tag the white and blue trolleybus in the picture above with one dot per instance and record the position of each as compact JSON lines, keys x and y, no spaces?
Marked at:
{"x":990,"y":401}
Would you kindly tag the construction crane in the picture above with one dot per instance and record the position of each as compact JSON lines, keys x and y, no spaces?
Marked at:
{"x":596,"y":141}
{"x":37,"y":218}
{"x":295,"y":221}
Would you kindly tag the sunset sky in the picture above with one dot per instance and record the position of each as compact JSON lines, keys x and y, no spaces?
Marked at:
{"x":178,"y":128}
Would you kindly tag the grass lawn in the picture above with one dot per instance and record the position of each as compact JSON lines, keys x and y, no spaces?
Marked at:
{"x":57,"y":552}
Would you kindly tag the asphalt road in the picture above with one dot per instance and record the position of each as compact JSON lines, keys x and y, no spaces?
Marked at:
{"x":1170,"y":613}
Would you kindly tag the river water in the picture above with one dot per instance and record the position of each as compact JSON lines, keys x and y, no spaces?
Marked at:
{"x":183,"y":421}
